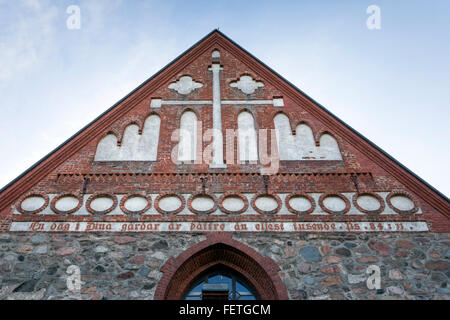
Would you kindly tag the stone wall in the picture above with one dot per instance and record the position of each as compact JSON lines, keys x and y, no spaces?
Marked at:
{"x":313,"y":266}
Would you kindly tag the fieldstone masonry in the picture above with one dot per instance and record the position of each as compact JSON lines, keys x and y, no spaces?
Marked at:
{"x":315,"y":267}
{"x":111,"y":215}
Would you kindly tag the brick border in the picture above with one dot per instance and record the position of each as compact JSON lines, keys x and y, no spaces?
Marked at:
{"x":31,"y":194}
{"x":405,"y":194}
{"x":200,"y":194}
{"x":68,"y":194}
{"x":162,"y":195}
{"x":367,"y":193}
{"x":270,"y":194}
{"x":300,"y":194}
{"x":135,"y":195}
{"x":98,"y":195}
{"x":233,"y":194}
{"x":336,"y":194}
{"x":220,"y":249}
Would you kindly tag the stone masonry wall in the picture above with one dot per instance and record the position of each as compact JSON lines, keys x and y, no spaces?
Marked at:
{"x":313,"y":266}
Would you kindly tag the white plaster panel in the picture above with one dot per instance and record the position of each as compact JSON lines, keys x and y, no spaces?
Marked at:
{"x":283,"y":210}
{"x":329,"y":148}
{"x":217,"y":212}
{"x":136,"y":203}
{"x":402,"y":203}
{"x":247,"y":85}
{"x":300,"y":203}
{"x":169,"y":203}
{"x":387,"y":209}
{"x":66,"y":203}
{"x":130,"y":142}
{"x":266,"y":203}
{"x":47,"y":210}
{"x":305,"y":142}
{"x":107,"y":149}
{"x":147,"y":148}
{"x":187,"y":145}
{"x":202,"y":203}
{"x":250,"y":209}
{"x":117,"y":211}
{"x":185,"y":102}
{"x":83,"y":211}
{"x":101,"y":203}
{"x":353,"y":210}
{"x":185,"y":85}
{"x":217,"y":142}
{"x":368,"y":202}
{"x":248,"y":144}
{"x":388,"y":226}
{"x":287,"y":148}
{"x":134,"y":147}
{"x":247,"y":102}
{"x":317,"y":210}
{"x":186,"y":210}
{"x":33,"y":203}
{"x":233,"y":203}
{"x":215,"y":54}
{"x":334,"y":203}
{"x":278,"y":102}
{"x":156,"y":103}
{"x":302,"y":146}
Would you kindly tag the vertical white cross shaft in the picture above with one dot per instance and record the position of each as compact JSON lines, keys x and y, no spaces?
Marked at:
{"x":217,"y":119}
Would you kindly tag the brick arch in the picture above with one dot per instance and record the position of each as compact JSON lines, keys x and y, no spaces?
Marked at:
{"x":219,"y":249}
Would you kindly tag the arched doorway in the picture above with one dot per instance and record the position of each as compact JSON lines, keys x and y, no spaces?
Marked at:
{"x":220,"y":255}
{"x":220,"y":283}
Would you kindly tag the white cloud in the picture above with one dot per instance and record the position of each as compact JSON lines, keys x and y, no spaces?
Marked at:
{"x":28,"y":38}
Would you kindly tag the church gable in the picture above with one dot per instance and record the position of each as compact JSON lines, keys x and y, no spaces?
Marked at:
{"x":217,"y":136}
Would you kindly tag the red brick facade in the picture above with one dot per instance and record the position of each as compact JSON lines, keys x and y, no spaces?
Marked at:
{"x":66,"y":170}
{"x":364,"y":170}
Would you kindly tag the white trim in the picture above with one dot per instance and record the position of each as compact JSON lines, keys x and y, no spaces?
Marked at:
{"x":224,"y":226}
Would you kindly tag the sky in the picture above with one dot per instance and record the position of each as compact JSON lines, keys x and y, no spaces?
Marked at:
{"x":391,"y":84}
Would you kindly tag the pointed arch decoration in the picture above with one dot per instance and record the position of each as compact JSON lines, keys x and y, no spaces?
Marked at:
{"x":147,"y":149}
{"x":135,"y":146}
{"x":187,"y":145}
{"x":329,"y":148}
{"x":247,"y":138}
{"x":107,"y":148}
{"x":286,"y":143}
{"x":302,"y":145}
{"x":219,"y":249}
{"x":305,"y":143}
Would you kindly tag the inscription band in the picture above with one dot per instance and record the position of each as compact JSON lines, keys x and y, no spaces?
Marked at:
{"x":418,"y":226}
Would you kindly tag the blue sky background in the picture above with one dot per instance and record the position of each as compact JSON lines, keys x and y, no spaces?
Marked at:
{"x":392,"y":85}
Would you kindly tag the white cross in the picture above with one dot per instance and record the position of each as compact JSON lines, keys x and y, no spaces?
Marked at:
{"x":217,"y":161}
